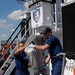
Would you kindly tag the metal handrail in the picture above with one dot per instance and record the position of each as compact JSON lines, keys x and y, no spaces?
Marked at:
{"x":12,"y":34}
{"x":15,"y":36}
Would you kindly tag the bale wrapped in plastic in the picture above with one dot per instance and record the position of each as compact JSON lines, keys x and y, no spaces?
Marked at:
{"x":35,"y":57}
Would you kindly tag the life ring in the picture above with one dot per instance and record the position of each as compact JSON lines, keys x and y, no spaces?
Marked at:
{"x":5,"y":47}
{"x":7,"y":53}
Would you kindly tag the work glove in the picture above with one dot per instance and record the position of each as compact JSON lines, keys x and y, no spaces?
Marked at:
{"x":31,"y":45}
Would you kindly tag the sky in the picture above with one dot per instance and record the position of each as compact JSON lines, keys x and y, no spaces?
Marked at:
{"x":10,"y":13}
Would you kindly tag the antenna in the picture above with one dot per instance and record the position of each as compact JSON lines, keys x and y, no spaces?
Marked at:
{"x":24,"y":3}
{"x":21,"y":1}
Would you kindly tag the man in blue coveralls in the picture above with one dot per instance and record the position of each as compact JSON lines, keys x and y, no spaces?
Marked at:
{"x":21,"y":60}
{"x":54,"y":47}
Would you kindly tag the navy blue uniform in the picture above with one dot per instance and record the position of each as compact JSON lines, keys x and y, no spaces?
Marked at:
{"x":55,"y":48}
{"x":21,"y":64}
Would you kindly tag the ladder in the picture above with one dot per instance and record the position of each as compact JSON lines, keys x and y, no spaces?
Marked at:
{"x":9,"y":64}
{"x":17,"y":32}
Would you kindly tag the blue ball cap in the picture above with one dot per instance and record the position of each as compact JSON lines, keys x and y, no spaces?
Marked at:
{"x":46,"y":30}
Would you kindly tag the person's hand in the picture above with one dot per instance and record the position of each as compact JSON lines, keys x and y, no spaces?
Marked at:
{"x":31,"y":45}
{"x":30,"y":66}
{"x":44,"y":63}
{"x":28,"y":44}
